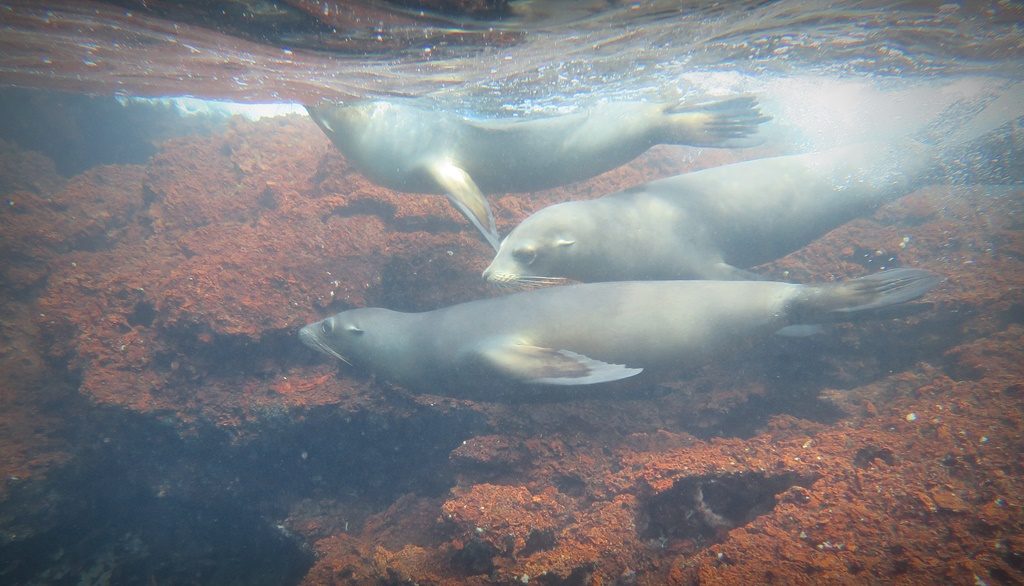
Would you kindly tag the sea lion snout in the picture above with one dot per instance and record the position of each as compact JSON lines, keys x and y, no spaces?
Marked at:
{"x":307,"y":336}
{"x":499,"y":278}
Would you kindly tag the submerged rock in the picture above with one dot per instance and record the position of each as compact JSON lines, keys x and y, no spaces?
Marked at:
{"x":168,"y":295}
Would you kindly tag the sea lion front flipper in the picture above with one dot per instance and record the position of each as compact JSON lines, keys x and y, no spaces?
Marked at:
{"x":466,"y":197}
{"x":548,"y":366}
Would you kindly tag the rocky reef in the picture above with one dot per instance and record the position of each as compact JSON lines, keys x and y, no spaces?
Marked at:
{"x":155,"y":391}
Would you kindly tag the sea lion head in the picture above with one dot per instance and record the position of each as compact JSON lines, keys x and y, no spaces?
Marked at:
{"x":540,"y":250}
{"x":339,"y":120}
{"x":353,"y":336}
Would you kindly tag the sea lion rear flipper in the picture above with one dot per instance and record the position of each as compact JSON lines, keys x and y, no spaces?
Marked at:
{"x":730,"y":123}
{"x":870,"y":293}
{"x":466,"y":197}
{"x":548,"y":366}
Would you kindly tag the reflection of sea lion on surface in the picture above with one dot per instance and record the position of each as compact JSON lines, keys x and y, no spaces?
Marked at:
{"x":590,"y":333}
{"x":414,"y":149}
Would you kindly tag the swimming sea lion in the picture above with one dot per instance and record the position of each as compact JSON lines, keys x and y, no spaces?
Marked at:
{"x":708,"y":224}
{"x":590,"y":333}
{"x":414,"y":149}
{"x":714,"y":223}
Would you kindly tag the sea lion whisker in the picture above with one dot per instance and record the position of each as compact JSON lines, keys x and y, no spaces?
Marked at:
{"x":521,"y":285}
{"x":328,"y":350}
{"x":523,"y":282}
{"x":529,"y":286}
{"x":518,"y":286}
{"x":541,"y":279}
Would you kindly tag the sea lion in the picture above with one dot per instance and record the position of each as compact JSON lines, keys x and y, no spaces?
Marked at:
{"x":413,"y":149}
{"x":586,"y":334}
{"x":708,"y":224}
{"x":717,"y":222}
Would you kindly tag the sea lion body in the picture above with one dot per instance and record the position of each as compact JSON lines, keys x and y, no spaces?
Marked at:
{"x":588,"y":333}
{"x":393,"y":143}
{"x":712,"y":223}
{"x":413,"y":149}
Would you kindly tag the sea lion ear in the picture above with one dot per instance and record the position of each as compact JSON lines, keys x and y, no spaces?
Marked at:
{"x":564,"y":242}
{"x":354,"y":329}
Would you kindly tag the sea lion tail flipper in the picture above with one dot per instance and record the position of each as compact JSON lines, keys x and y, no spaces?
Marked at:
{"x":872,"y":292}
{"x":730,"y":123}
{"x":466,"y":197}
{"x":549,"y":366}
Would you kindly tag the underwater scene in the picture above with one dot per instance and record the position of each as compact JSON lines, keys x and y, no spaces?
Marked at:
{"x":511,"y":291}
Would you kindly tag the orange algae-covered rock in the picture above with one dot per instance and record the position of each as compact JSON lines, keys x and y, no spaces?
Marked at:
{"x":221,"y":247}
{"x":489,"y":451}
{"x":510,"y":519}
{"x":32,"y":437}
{"x":231,"y":176}
{"x":91,"y":211}
{"x":882,"y":451}
{"x":26,"y":171}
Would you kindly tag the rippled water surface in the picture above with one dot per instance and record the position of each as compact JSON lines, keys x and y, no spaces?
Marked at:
{"x":532,"y":55}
